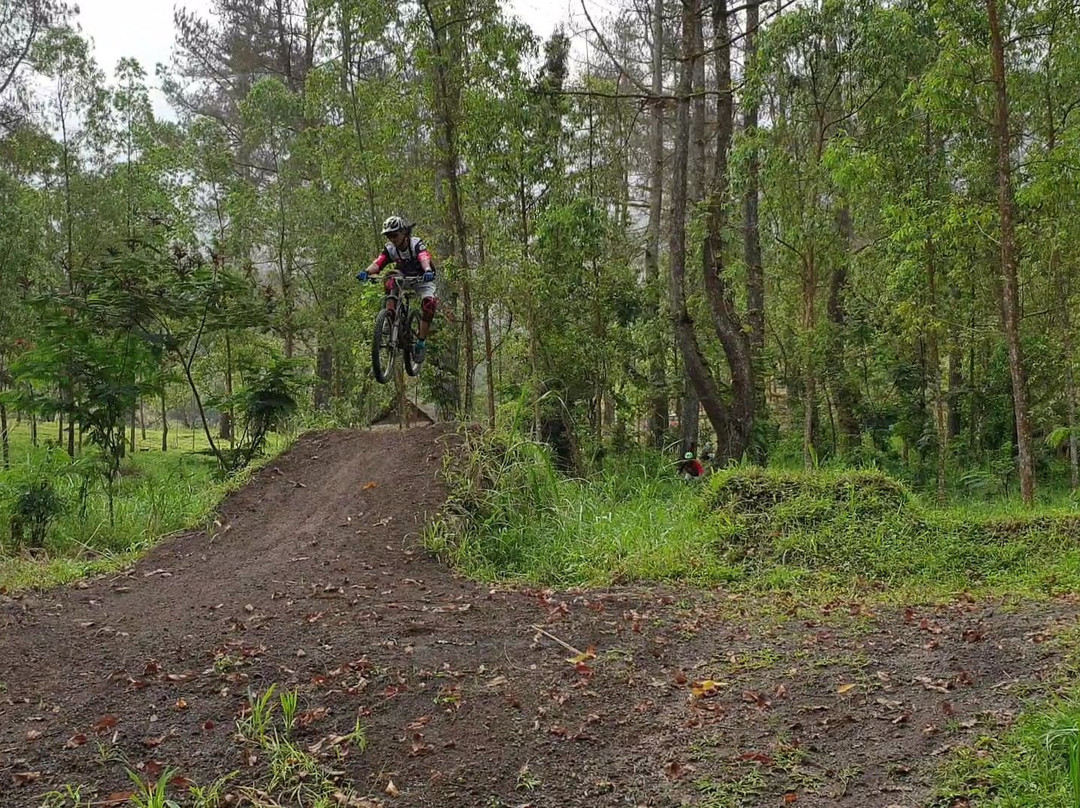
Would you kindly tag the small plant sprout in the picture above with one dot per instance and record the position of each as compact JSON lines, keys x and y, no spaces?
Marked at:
{"x":149,"y":795}
{"x":290,"y":702}
{"x":255,"y":725}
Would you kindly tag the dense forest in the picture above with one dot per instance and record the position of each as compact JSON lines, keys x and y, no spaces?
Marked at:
{"x":802,"y":232}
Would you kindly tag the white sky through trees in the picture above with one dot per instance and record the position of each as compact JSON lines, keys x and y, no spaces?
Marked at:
{"x":143,"y":29}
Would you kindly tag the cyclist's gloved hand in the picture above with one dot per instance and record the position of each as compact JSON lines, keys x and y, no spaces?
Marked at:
{"x":429,"y":276}
{"x":362,"y":275}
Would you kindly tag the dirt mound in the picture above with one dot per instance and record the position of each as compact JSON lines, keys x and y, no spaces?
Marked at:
{"x":476,"y":697}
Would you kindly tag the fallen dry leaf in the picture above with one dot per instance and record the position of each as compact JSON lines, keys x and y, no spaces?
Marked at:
{"x":391,"y":789}
{"x":306,"y":719}
{"x":181,"y":704}
{"x":75,"y":741}
{"x":25,"y":778}
{"x":33,"y":735}
{"x":675,"y":770}
{"x":845,"y":688}
{"x":791,"y":797}
{"x":705,"y":688}
{"x":368,"y":486}
{"x":104,"y":724}
{"x":117,"y":798}
{"x":351,"y":801}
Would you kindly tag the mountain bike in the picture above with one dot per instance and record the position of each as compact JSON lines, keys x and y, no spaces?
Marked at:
{"x":390,"y":337}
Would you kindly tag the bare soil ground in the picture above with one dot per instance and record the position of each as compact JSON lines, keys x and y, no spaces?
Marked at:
{"x":314,"y":579}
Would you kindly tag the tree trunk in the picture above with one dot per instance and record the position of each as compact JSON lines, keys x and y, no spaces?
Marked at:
{"x":809,"y":381}
{"x":134,"y":416}
{"x":733,"y":435}
{"x":696,"y":365}
{"x":755,"y":273}
{"x":142,"y":419}
{"x":658,"y":405}
{"x":489,"y":355}
{"x":227,"y":425}
{"x":1010,"y":260}
{"x":324,"y":373}
{"x":164,"y":424}
{"x":689,"y":419}
{"x":845,"y":396}
{"x":5,"y":438}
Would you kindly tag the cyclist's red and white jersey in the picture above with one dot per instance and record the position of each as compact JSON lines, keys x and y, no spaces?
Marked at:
{"x":407,"y":259}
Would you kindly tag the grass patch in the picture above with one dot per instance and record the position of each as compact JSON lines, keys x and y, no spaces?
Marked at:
{"x":512,"y":516}
{"x":158,"y":493}
{"x":1034,"y":764}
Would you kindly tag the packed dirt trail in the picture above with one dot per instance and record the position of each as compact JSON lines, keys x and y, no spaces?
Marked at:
{"x":314,"y":578}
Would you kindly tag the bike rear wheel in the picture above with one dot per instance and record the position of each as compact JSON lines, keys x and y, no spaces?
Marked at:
{"x":412,"y":367}
{"x":383,"y":347}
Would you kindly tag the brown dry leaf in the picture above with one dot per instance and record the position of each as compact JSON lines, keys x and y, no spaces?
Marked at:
{"x":675,"y":770}
{"x":75,"y":741}
{"x":179,"y":677}
{"x":680,"y":678}
{"x":117,"y":798}
{"x":368,"y":486}
{"x":153,"y":743}
{"x":391,"y":789}
{"x":308,"y":718}
{"x":25,"y":778}
{"x":181,"y":704}
{"x":757,"y":757}
{"x":419,"y":747}
{"x":845,"y":688}
{"x":791,"y":796}
{"x":351,"y":801}
{"x":33,"y":735}
{"x":209,"y":725}
{"x":419,"y":723}
{"x":104,"y":724}
{"x":755,"y":698}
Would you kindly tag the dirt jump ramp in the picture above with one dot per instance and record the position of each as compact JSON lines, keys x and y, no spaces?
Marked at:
{"x":314,"y":579}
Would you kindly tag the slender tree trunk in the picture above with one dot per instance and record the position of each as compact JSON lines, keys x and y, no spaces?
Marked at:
{"x":933,"y":361}
{"x":690,"y":406}
{"x":134,"y":416}
{"x":5,"y":438}
{"x":755,"y":273}
{"x":490,"y":366}
{"x":809,"y":379}
{"x":33,"y":429}
{"x":1010,"y":260}
{"x":658,"y":405}
{"x":227,"y":426}
{"x":142,"y":419}
{"x":164,"y":424}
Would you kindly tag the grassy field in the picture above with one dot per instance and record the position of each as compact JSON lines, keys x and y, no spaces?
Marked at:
{"x":158,"y":493}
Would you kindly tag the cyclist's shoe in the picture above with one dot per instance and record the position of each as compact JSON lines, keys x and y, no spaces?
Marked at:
{"x":419,"y":349}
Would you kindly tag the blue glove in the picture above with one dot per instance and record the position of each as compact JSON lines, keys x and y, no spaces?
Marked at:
{"x":362,"y":275}
{"x":429,"y":276}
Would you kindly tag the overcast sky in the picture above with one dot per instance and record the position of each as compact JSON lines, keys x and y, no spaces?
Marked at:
{"x":143,"y":29}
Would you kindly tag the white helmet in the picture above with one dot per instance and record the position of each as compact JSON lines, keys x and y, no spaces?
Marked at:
{"x":395,"y":224}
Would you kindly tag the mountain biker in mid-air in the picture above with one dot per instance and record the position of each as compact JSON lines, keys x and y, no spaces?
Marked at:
{"x":412,"y":260}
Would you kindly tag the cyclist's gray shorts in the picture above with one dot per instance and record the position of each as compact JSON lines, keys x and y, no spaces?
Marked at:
{"x":423,"y":289}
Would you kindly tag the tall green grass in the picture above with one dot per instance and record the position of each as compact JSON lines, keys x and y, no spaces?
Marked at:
{"x":158,"y":493}
{"x":512,"y":516}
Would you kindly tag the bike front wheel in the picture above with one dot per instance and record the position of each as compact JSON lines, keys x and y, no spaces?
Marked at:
{"x":383,"y":347}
